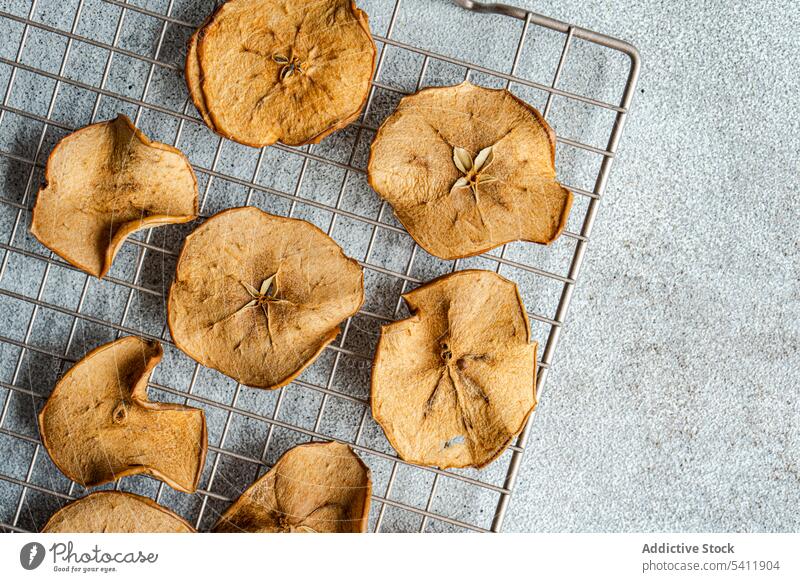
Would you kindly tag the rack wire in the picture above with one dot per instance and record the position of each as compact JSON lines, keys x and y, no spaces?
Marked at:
{"x":63,"y":73}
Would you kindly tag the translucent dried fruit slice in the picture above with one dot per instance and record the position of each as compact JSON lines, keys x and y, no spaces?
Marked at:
{"x":285,"y":70}
{"x":467,"y":169}
{"x":453,"y":384}
{"x":258,"y":296}
{"x":99,"y":426}
{"x":104,"y":182}
{"x":115,"y":512}
{"x":318,"y":487}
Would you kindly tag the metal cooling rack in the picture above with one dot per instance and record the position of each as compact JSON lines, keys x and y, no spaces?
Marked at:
{"x":60,"y":72}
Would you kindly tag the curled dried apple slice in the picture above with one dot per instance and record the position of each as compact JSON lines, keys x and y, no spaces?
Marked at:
{"x":467,"y":169}
{"x":313,"y":488}
{"x":99,"y":426}
{"x":258,"y":297}
{"x":283,"y":70}
{"x":453,"y":384}
{"x":193,"y":78}
{"x":104,"y":182}
{"x":115,"y":512}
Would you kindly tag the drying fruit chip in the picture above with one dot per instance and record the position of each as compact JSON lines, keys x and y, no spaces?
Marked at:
{"x":104,"y":182}
{"x":313,"y":488}
{"x":467,"y":169}
{"x":99,"y":426}
{"x":115,"y":512}
{"x":192,"y":74}
{"x":282,"y":70}
{"x":258,"y":297}
{"x":454,"y":383}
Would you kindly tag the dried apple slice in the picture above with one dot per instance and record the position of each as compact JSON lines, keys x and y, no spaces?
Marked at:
{"x":115,"y":512}
{"x":193,"y":78}
{"x":313,"y":488}
{"x":284,"y":70}
{"x":104,"y":182}
{"x":99,"y":426}
{"x":453,"y":384}
{"x":467,"y":169}
{"x":258,"y":297}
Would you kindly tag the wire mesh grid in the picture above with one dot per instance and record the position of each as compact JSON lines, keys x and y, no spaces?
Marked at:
{"x":73,"y":62}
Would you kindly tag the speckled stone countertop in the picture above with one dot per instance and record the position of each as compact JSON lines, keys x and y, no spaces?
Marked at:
{"x":674,"y":399}
{"x":674,"y":403}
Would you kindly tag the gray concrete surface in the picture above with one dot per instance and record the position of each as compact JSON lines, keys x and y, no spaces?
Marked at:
{"x":673,"y":402}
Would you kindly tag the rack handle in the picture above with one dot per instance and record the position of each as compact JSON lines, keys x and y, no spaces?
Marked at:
{"x":493,"y":8}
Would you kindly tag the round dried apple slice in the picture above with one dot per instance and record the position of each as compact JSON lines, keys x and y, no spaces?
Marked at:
{"x":453,"y":384}
{"x":284,"y":70}
{"x":104,"y":182}
{"x":467,"y":169}
{"x":99,"y":426}
{"x":115,"y":512}
{"x":313,"y":488}
{"x":193,"y":79}
{"x":258,"y":297}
